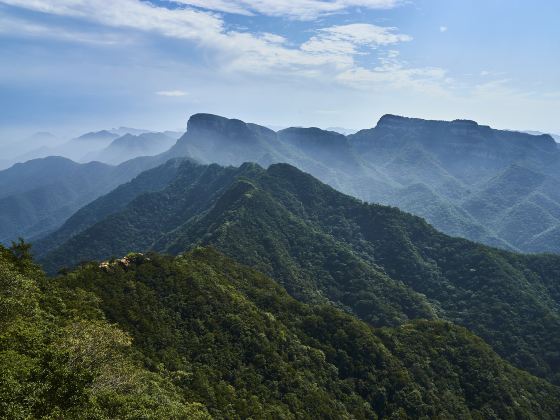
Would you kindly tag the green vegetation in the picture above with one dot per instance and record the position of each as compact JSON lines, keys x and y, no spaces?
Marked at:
{"x":383,"y":265}
{"x":467,"y":180}
{"x":60,"y":358}
{"x":200,"y":336}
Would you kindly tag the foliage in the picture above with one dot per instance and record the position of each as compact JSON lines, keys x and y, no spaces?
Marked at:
{"x":238,"y":343}
{"x":381,"y":264}
{"x":59,"y":362}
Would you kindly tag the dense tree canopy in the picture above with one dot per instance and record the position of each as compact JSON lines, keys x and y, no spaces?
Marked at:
{"x":381,"y":264}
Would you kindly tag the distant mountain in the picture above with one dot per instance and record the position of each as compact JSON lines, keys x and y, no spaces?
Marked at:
{"x":459,"y":175}
{"x":79,"y":147}
{"x":38,"y":145}
{"x":556,"y":137}
{"x":39,"y":195}
{"x":383,"y":265}
{"x":443,"y":165}
{"x":121,"y":131}
{"x":342,"y":130}
{"x":102,"y":136}
{"x":130,"y":146}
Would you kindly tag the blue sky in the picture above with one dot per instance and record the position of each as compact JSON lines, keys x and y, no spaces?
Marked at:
{"x":76,"y":65}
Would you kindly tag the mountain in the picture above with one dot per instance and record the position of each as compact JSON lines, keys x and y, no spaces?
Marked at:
{"x":556,"y":137}
{"x":130,"y":146}
{"x":37,"y":196}
{"x":201,"y":336}
{"x":379,"y":263}
{"x":36,"y":141}
{"x":38,"y":145}
{"x":121,"y":131}
{"x":465,"y":179}
{"x":342,"y":130}
{"x":151,"y":180}
{"x":447,"y":166}
{"x":102,"y":136}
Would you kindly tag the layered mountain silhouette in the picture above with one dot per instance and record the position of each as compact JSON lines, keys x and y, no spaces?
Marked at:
{"x":377,"y":262}
{"x":130,"y":146}
{"x":274,"y":288}
{"x":434,"y":169}
{"x":37,"y":196}
{"x":492,"y":186}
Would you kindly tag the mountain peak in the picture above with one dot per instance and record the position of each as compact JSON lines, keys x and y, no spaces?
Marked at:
{"x":465,"y":123}
{"x":98,"y":135}
{"x":213,"y":122}
{"x":215,"y":125}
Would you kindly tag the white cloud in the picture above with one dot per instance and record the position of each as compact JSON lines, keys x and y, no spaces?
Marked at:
{"x":293,"y":9}
{"x":395,"y":73}
{"x":348,"y":39}
{"x":328,"y":55}
{"x":443,"y":28}
{"x":172,"y":93}
{"x":135,"y":14}
{"x":11,"y":25}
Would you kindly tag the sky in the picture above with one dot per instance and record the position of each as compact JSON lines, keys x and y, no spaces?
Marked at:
{"x":80,"y":65}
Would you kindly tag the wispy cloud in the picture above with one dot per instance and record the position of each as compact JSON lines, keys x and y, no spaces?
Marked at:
{"x":330,"y":54}
{"x":396,"y":73}
{"x":135,"y":14}
{"x":293,"y":9}
{"x":172,"y":93}
{"x":12,"y":25}
{"x":443,"y":28}
{"x":348,"y":39}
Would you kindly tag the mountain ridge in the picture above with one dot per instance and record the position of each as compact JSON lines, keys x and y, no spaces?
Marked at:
{"x":377,"y":262}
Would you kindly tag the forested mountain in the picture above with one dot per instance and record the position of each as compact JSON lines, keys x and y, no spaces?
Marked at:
{"x":383,"y":265}
{"x":200,"y":336}
{"x":37,"y":196}
{"x":491,"y":186}
{"x":439,"y":170}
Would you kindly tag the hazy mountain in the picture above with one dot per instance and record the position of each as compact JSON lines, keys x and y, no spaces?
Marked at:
{"x":130,"y":146}
{"x":556,"y":137}
{"x":39,"y":195}
{"x":466,"y":179}
{"x":444,"y":165}
{"x":121,"y":131}
{"x":379,"y":263}
{"x":38,"y":145}
{"x":39,"y":140}
{"x":342,"y":130}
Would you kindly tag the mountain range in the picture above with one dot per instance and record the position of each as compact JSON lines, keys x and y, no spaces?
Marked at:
{"x":37,"y":196}
{"x":492,"y":186}
{"x":384,"y":266}
{"x":130,"y":146}
{"x":435,"y":169}
{"x":200,"y":336}
{"x":252,"y":273}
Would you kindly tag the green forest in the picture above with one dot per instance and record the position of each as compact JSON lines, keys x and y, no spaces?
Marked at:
{"x":378,"y":263}
{"x":200,"y":336}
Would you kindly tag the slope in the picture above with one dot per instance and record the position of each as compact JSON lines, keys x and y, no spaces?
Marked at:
{"x":36,"y":197}
{"x":245,"y":349}
{"x":384,"y":265}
